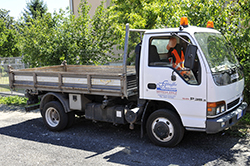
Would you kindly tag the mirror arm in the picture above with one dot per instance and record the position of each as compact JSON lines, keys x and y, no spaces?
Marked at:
{"x":175,"y":34}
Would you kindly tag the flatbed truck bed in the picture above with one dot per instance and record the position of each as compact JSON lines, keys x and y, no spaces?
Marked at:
{"x":81,"y":79}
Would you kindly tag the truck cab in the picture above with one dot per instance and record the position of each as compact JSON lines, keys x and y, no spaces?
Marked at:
{"x":205,"y":96}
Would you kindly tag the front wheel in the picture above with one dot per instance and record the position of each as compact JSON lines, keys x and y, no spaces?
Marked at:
{"x":54,"y":116}
{"x":164,"y":128}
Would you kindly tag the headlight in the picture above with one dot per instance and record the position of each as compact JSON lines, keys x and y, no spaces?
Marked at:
{"x":217,"y":79}
{"x":223,"y":108}
{"x":215,"y":108}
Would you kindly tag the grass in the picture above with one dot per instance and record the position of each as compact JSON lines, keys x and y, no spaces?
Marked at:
{"x":4,"y":89}
{"x":242,"y":128}
{"x":4,"y":80}
{"x":13,"y":100}
{"x":246,"y":119}
{"x":4,"y":84}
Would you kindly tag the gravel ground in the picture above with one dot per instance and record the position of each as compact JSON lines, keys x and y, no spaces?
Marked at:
{"x":26,"y":141}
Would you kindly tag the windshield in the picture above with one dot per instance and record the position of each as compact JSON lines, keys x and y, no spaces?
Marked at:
{"x":218,"y":52}
{"x":224,"y":66}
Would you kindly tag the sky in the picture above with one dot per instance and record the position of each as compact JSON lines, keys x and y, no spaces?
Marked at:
{"x":16,"y":7}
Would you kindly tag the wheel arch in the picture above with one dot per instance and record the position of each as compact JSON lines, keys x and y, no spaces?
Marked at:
{"x":55,"y":97}
{"x":153,"y":105}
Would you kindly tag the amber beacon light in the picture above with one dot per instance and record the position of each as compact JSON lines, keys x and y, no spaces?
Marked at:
{"x":210,"y":24}
{"x":184,"y":21}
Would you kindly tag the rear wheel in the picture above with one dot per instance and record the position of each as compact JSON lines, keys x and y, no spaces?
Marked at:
{"x":164,"y":128}
{"x":54,"y":116}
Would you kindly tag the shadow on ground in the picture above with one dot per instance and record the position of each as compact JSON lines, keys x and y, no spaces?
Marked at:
{"x":195,"y":149}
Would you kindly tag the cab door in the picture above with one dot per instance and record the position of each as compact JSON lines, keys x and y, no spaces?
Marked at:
{"x":160,"y":81}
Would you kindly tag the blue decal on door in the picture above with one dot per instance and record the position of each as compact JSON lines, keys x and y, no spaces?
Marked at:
{"x":166,"y":89}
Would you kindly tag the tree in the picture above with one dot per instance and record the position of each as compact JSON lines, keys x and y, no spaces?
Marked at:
{"x":4,"y":16}
{"x":140,"y":14}
{"x":239,"y":36}
{"x":102,"y":33}
{"x":49,"y":40}
{"x":34,"y":9}
{"x":8,"y":37}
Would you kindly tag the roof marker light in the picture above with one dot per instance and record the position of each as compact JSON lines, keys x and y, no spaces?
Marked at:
{"x":210,"y":24}
{"x":184,"y":22}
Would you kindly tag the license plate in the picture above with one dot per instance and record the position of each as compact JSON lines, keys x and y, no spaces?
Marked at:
{"x":240,"y":114}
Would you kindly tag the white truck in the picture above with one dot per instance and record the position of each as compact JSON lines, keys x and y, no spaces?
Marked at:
{"x":152,"y":93}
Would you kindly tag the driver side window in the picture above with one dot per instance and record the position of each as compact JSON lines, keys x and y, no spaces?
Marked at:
{"x":170,"y":52}
{"x":158,"y":52}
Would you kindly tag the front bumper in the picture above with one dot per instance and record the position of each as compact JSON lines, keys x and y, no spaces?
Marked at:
{"x":218,"y":124}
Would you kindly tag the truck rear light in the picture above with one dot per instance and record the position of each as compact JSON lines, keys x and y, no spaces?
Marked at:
{"x":215,"y":108}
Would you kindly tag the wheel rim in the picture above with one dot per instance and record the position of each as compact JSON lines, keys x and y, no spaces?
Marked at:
{"x":52,"y":117}
{"x":162,"y":129}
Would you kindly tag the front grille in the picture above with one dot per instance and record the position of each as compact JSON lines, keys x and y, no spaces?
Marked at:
{"x":233,"y":103}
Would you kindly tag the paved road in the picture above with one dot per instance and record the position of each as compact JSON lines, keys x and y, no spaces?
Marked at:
{"x":24,"y":140}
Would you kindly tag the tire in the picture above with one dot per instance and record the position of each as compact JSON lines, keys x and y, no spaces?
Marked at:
{"x":54,"y":116}
{"x":164,"y":128}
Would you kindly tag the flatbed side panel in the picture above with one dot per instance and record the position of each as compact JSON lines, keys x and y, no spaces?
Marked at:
{"x":103,"y":80}
{"x":57,"y":68}
{"x":81,"y":69}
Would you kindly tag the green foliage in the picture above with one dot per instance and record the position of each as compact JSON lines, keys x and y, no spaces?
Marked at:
{"x":6,"y":18}
{"x":34,"y":9}
{"x":49,"y":40}
{"x":102,"y":36}
{"x":241,"y":129}
{"x":239,"y":35}
{"x":8,"y":39}
{"x":140,"y":14}
{"x":245,"y":119}
{"x":13,"y":100}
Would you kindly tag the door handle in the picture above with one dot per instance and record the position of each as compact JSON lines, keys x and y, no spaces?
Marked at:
{"x":151,"y":86}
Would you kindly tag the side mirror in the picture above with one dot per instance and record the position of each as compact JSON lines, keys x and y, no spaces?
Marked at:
{"x":190,"y":55}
